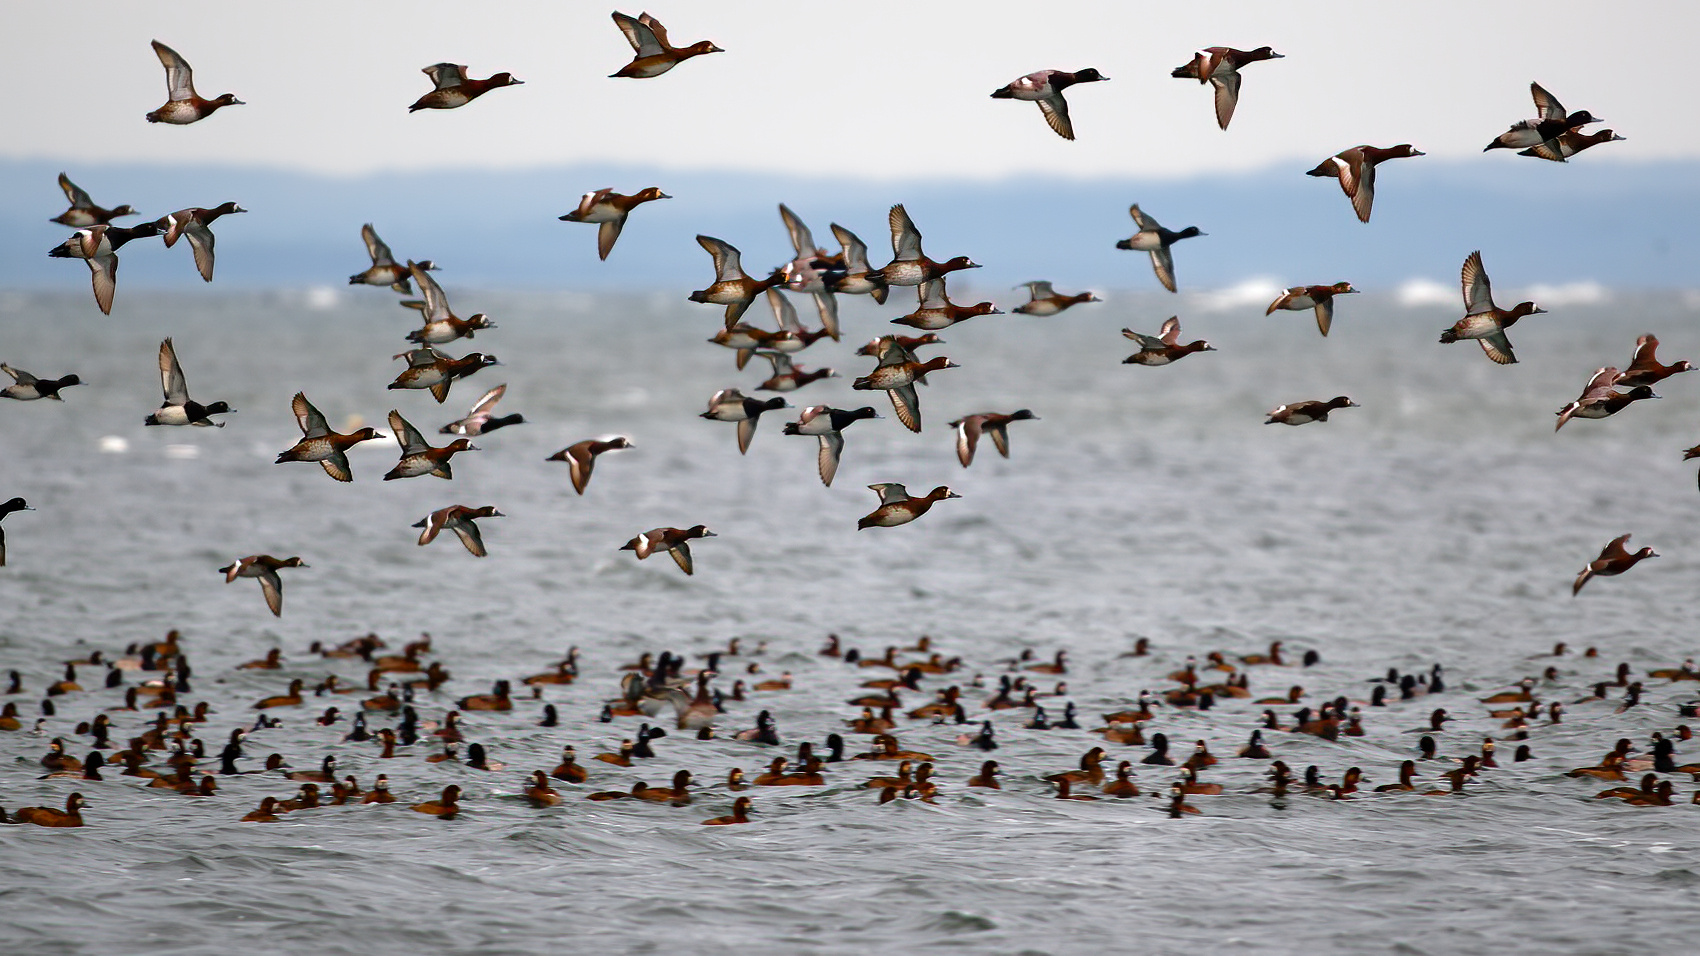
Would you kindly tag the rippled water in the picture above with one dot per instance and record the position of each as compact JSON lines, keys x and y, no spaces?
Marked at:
{"x":1442,"y":521}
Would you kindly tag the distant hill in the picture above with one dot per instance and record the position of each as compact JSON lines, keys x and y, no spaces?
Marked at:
{"x":1618,"y":225}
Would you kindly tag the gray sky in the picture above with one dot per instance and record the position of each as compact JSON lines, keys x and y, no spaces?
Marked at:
{"x":873,"y":88}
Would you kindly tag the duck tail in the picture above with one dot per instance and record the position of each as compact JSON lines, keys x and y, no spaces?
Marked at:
{"x":1448,"y":337}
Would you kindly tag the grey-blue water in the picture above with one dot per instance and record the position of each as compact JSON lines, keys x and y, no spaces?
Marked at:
{"x":1443,"y":521}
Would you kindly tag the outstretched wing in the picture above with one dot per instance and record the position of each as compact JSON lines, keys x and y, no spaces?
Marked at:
{"x":1140,"y":219}
{"x":375,"y":247}
{"x":682,"y":557}
{"x":1546,"y":104}
{"x":79,"y":199}
{"x":801,"y":239}
{"x":831,"y":447}
{"x":179,"y":79}
{"x":436,"y":303}
{"x":1478,"y":294}
{"x":272,"y":587}
{"x":638,"y":34}
{"x":171,"y":379}
{"x":311,"y":420}
{"x":905,"y":238}
{"x":907,"y":405}
{"x":445,"y":75}
{"x":408,"y":437}
{"x":1498,"y":348}
{"x":967,"y":439}
{"x":1055,"y":110}
{"x":470,"y":536}
{"x":726,"y":262}
{"x":1227,"y":89}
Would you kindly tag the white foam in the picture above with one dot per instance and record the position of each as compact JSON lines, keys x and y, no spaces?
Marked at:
{"x":1257,"y":290}
{"x":114,"y":444}
{"x":182,"y":452}
{"x":321,"y":298}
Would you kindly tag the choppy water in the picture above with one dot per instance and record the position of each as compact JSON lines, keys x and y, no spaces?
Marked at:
{"x":1442,"y":521}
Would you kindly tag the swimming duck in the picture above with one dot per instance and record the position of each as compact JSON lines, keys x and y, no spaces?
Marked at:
{"x":740,"y":814}
{"x":896,"y":375}
{"x":499,"y":698}
{"x":732,"y":287}
{"x":730,"y":405}
{"x":969,"y":428}
{"x":897,"y":507}
{"x":385,"y":270}
{"x":1301,"y":413}
{"x":581,"y":457}
{"x":609,"y":210}
{"x":936,"y":311}
{"x":677,"y":795}
{"x":183,"y":106}
{"x":1645,"y":368}
{"x":83,"y":211}
{"x":1043,"y":300}
{"x":429,"y":368}
{"x":482,"y":420}
{"x":987,"y":777}
{"x":787,"y":376}
{"x":28,"y":388}
{"x":652,"y":54}
{"x":265,"y":568}
{"x":1155,"y":239}
{"x":568,"y":769}
{"x":179,"y":408}
{"x":462,"y":521}
{"x":1601,"y":399}
{"x":1569,"y":143}
{"x":1163,"y":349}
{"x":828,"y":424}
{"x":909,"y":265}
{"x":1046,"y":88}
{"x":1484,"y":321}
{"x":1540,"y":134}
{"x":454,"y":88}
{"x":71,"y":816}
{"x":1220,"y":67}
{"x":675,"y":541}
{"x":441,"y":324}
{"x":418,"y":457}
{"x":1318,"y":297}
{"x":1614,"y":559}
{"x":443,"y":808}
{"x":193,"y":223}
{"x":98,"y":246}
{"x":318,"y":443}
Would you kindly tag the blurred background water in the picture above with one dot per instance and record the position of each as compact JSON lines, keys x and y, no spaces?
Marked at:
{"x":1443,"y":521}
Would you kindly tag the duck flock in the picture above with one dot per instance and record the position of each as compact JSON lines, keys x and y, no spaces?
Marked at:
{"x":145,"y":725}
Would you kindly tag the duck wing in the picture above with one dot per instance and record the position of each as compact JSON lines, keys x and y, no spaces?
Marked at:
{"x":445,"y":75}
{"x":1227,"y":89}
{"x":855,"y":250}
{"x":433,"y":524}
{"x":656,"y":30}
{"x":905,"y":238}
{"x":1171,"y":332}
{"x":408,"y":437}
{"x":436,"y":303}
{"x":801,"y":239}
{"x":640,"y":36}
{"x":831,"y":447}
{"x":336,"y":465}
{"x":1036,"y":290}
{"x":310,"y":419}
{"x":606,"y":233}
{"x":907,"y":405}
{"x":1149,"y":343}
{"x":783,"y":311}
{"x":1363,"y":197}
{"x":103,"y":273}
{"x":1498,"y":348}
{"x":171,"y":378}
{"x":467,"y":530}
{"x":272,"y":587}
{"x":201,"y":244}
{"x":967,"y":439}
{"x":18,"y":375}
{"x":1478,"y":293}
{"x":1141,"y":219}
{"x":1163,"y":263}
{"x":1615,"y":551}
{"x":727,"y":266}
{"x":682,"y":557}
{"x":1547,"y":105}
{"x":1324,"y":313}
{"x":1055,"y":110}
{"x":79,"y":199}
{"x":179,"y":79}
{"x":375,"y":247}
{"x":890,"y":492}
